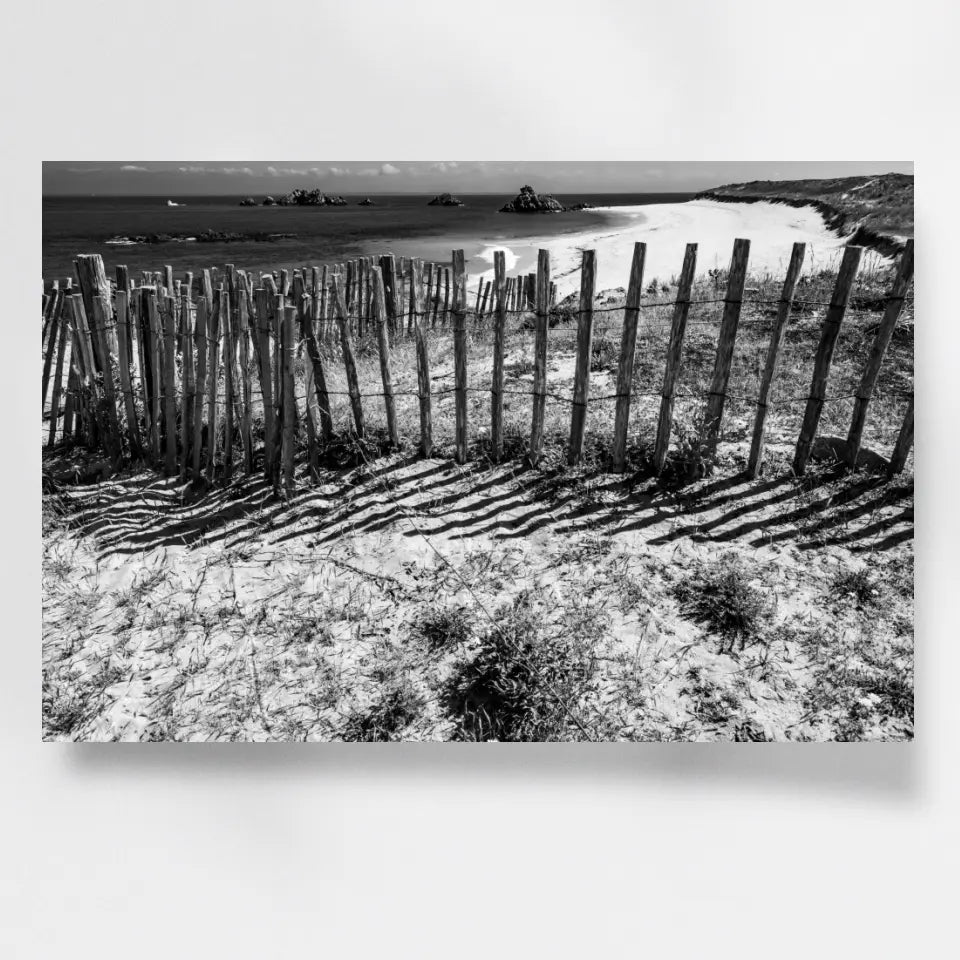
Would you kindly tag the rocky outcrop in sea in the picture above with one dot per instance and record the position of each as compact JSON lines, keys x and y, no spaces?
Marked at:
{"x":529,"y":201}
{"x":445,"y":200}
{"x":298,"y":198}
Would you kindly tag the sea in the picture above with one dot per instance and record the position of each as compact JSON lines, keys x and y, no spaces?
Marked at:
{"x":404,"y":225}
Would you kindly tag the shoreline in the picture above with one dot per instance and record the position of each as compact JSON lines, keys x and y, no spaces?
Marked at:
{"x":772,"y":229}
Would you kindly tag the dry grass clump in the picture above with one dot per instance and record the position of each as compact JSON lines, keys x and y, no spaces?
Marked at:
{"x":444,"y":628}
{"x":397,"y":706}
{"x":524,"y":681}
{"x":720,"y":595}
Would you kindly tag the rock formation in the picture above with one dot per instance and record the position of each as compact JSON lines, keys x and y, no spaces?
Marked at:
{"x":445,"y":200}
{"x":529,"y":201}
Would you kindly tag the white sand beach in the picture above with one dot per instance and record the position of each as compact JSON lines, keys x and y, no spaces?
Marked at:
{"x":666,"y":229}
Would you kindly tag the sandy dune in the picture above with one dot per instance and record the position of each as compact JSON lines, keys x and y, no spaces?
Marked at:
{"x":667,"y":228}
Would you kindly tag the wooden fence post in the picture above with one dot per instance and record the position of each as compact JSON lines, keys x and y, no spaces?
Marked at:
{"x":733,"y":301}
{"x":868,"y":381}
{"x":901,"y":450}
{"x":388,"y":270}
{"x":671,"y":373}
{"x":483,"y":302}
{"x":308,"y":332}
{"x":350,"y":364}
{"x":628,"y":349}
{"x":460,"y":354}
{"x":446,"y":295}
{"x":423,"y":362}
{"x":146,"y":342}
{"x":755,"y":461}
{"x":213,"y":375}
{"x":93,"y":285}
{"x":169,"y":388}
{"x":540,"y":357}
{"x":188,"y":384}
{"x":581,"y":383}
{"x":261,"y":297}
{"x":288,"y":442}
{"x":821,"y":367}
{"x":246,"y":417}
{"x":102,"y":312}
{"x":123,"y":351}
{"x":499,"y":332}
{"x":383,"y":342}
{"x":56,"y":309}
{"x":58,"y":376}
{"x":200,"y":343}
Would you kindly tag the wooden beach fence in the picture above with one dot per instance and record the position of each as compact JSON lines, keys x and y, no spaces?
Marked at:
{"x":137,"y":369}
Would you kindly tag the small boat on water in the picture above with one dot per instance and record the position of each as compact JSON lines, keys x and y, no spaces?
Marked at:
{"x":170,"y":203}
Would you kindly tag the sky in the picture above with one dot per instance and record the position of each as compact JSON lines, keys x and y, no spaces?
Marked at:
{"x":258,"y":178}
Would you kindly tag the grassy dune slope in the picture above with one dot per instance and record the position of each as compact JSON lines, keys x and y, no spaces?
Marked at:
{"x":877,"y":206}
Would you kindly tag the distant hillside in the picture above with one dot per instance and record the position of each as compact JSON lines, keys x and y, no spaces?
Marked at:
{"x":875,"y":210}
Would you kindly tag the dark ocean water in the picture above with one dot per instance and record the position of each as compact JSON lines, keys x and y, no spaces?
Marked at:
{"x":403,"y":225}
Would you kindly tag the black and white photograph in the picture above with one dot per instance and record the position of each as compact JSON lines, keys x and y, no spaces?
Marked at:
{"x":497,"y":480}
{"x":464,"y":450}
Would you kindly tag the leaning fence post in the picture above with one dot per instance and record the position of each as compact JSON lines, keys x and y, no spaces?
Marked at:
{"x":770,"y":369}
{"x":581,"y":383}
{"x":213,"y":356}
{"x":904,"y":442}
{"x":540,"y":357}
{"x":54,"y":319}
{"x":187,"y":381}
{"x":169,"y":388}
{"x":671,"y":373}
{"x":246,"y":415}
{"x":261,"y":297}
{"x":868,"y":381}
{"x":309,"y":334}
{"x":725,"y":343}
{"x":350,"y":364}
{"x":123,"y":362}
{"x":628,"y":349}
{"x":383,"y":342}
{"x":423,"y":361}
{"x":499,"y":328}
{"x":102,"y":313}
{"x":58,"y":376}
{"x":460,"y":354}
{"x":821,"y":367}
{"x":288,"y":442}
{"x":200,"y":342}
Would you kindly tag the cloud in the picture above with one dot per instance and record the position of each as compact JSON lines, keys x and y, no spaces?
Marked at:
{"x":444,"y":165}
{"x":192,"y":169}
{"x":388,"y":169}
{"x":246,"y":171}
{"x":339,"y":172}
{"x":133,"y":168}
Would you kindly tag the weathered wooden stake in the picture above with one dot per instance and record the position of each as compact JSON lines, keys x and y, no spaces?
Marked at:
{"x":821,"y":367}
{"x":58,"y":377}
{"x":868,"y":381}
{"x":540,"y":357}
{"x":188,"y":386}
{"x":671,"y":373}
{"x":499,"y":334}
{"x":261,"y":297}
{"x":246,"y":417}
{"x":755,"y":462}
{"x":200,"y":344}
{"x":628,"y":350}
{"x":213,"y":376}
{"x":169,"y":388}
{"x":581,"y":383}
{"x":460,"y":354}
{"x":383,"y":342}
{"x":733,"y":301}
{"x":423,"y":362}
{"x":123,"y":362}
{"x":901,"y":450}
{"x":350,"y":364}
{"x":288,"y":444}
